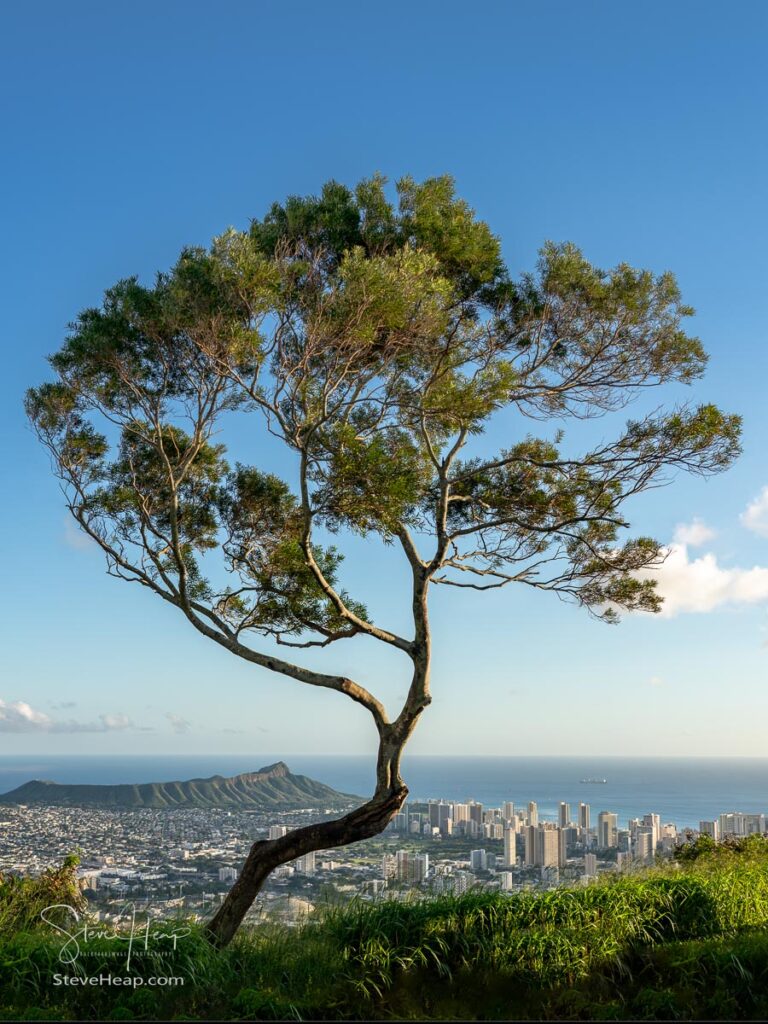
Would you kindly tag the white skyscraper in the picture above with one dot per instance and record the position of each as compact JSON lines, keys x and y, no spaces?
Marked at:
{"x":653,"y":821}
{"x":733,"y":824}
{"x":420,"y":868}
{"x":583,"y":816}
{"x":643,"y":846}
{"x":478,"y":860}
{"x":461,"y":882}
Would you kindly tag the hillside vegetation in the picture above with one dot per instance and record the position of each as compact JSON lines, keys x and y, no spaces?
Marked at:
{"x":682,"y":942}
{"x":272,"y":787}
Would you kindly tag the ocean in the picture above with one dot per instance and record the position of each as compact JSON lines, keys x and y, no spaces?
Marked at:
{"x":682,"y":790}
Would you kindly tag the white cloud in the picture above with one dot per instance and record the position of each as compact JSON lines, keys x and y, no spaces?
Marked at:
{"x":178,"y":724}
{"x":693,"y":534}
{"x":18,"y":716}
{"x":116,"y":722}
{"x":755,"y":517}
{"x":701,"y":585}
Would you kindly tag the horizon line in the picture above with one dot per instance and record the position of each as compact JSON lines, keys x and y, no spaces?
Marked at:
{"x":372,"y":755}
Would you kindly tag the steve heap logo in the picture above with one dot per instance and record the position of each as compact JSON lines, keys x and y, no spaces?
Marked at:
{"x":124,"y":939}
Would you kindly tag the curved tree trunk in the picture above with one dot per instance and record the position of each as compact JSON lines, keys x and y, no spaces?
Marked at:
{"x":365,"y":821}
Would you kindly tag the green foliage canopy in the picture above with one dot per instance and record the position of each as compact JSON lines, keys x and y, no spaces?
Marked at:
{"x":375,"y":338}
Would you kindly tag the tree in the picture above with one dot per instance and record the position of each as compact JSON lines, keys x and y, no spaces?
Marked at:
{"x":375,"y":339}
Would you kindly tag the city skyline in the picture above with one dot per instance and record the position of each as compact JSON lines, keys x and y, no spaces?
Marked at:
{"x":103,"y":668}
{"x":173,"y":857}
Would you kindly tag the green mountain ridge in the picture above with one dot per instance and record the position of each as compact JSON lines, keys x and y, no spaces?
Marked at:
{"x":271,"y":787}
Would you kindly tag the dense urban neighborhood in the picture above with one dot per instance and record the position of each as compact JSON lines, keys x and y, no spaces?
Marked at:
{"x":172,"y":862}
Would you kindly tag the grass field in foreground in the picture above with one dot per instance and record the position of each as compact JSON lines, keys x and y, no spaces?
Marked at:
{"x":683,"y":942}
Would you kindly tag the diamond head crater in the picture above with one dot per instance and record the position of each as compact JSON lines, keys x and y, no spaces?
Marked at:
{"x":271,"y":787}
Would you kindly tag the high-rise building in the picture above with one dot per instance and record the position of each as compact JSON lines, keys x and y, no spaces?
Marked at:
{"x":277,"y":831}
{"x":476,"y":812}
{"x":306,"y":865}
{"x":583,"y":816}
{"x":590,"y":865}
{"x":653,"y":821}
{"x":510,"y":847}
{"x":572,"y":835}
{"x":529,"y":836}
{"x":506,"y":881}
{"x":643,"y":846}
{"x":419,"y":867}
{"x":562,"y":846}
{"x":508,"y":810}
{"x":607,"y":828}
{"x":547,"y":848}
{"x":478,"y":860}
{"x":403,"y":865}
{"x":438,"y":811}
{"x":709,"y":828}
{"x":461,"y":882}
{"x":564,"y":814}
{"x":732,"y":824}
{"x":533,"y":813}
{"x":460,"y":813}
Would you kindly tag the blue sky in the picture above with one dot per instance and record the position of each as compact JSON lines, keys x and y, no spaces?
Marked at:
{"x":637,"y":131}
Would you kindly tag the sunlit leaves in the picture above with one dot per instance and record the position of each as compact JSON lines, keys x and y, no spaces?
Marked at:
{"x":437,"y":221}
{"x":165,"y":485}
{"x":370,"y":484}
{"x":376,"y":332}
{"x":278,"y":592}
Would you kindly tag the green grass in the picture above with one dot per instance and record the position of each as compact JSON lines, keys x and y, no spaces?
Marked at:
{"x":675,"y":943}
